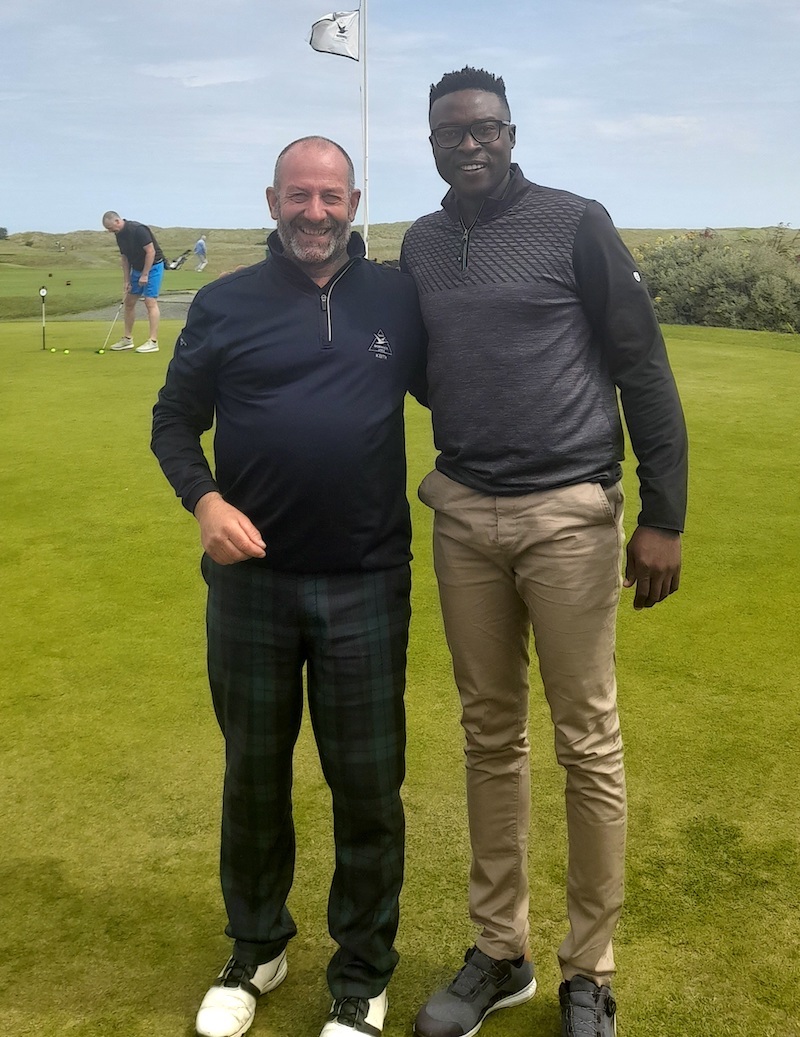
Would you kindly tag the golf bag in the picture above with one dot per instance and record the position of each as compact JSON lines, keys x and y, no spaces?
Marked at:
{"x":175,"y":263}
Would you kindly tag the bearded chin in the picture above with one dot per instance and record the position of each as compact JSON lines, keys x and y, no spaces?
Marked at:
{"x":313,"y":253}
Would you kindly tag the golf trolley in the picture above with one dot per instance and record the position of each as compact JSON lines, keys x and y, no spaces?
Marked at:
{"x":176,"y":263}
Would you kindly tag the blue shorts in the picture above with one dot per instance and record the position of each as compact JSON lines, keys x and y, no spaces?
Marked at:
{"x":153,"y":285}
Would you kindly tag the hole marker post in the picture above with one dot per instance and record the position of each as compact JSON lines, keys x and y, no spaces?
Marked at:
{"x":43,"y":294}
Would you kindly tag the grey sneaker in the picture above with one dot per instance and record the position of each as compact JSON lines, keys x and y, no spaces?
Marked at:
{"x":150,"y":346}
{"x":586,"y":1009}
{"x":124,"y":343}
{"x":481,"y":987}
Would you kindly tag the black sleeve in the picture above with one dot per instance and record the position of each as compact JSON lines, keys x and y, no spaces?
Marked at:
{"x":419,"y":380}
{"x":403,"y":257}
{"x":144,"y":236}
{"x":621,"y":313}
{"x":419,"y":385}
{"x":185,"y":409}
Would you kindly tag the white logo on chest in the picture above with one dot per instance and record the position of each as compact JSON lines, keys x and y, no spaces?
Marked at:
{"x":380,"y":346}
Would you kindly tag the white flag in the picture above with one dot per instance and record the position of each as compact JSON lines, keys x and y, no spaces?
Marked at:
{"x":336,"y":33}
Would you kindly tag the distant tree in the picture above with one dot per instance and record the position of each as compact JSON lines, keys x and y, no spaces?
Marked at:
{"x":3,"y":233}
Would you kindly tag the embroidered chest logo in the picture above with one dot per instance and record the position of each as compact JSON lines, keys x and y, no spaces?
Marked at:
{"x":380,"y":346}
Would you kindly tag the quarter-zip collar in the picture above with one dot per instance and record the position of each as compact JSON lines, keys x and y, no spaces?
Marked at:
{"x":298,"y":277}
{"x":515,"y":187}
{"x":290,"y":269}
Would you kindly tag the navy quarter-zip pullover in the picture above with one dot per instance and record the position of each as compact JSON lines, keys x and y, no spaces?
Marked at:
{"x":306,"y":387}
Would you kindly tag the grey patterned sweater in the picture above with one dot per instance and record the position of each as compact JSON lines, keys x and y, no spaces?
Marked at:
{"x":536,"y":315}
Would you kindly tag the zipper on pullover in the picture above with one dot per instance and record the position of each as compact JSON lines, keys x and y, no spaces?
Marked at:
{"x":465,"y":233}
{"x":464,"y":253}
{"x":325,"y":302}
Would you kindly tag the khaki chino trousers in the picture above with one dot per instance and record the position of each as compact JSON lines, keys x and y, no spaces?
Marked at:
{"x":549,"y":562}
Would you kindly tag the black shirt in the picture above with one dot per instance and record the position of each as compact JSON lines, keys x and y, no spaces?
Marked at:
{"x":131,"y":241}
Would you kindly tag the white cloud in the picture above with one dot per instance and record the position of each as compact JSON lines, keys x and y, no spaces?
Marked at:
{"x":787,"y":8}
{"x":216,"y":72}
{"x":678,"y":128}
{"x":237,"y":130}
{"x":666,"y":10}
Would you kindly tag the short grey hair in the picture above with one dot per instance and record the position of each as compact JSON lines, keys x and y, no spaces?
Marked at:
{"x":110,"y":216}
{"x":319,"y":141}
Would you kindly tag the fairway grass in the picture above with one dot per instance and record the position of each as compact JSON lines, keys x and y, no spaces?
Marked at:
{"x":112,"y":762}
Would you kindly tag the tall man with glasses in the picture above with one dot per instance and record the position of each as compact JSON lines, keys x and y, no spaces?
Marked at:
{"x":536,"y":316}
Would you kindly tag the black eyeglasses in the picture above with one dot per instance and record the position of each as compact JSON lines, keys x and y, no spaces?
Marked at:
{"x":484,"y":132}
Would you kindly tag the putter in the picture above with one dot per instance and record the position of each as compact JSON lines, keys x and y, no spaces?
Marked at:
{"x":113,"y":322}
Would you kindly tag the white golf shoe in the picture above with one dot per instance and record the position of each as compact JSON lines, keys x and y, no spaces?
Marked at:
{"x":150,"y":346}
{"x":229,"y":1007}
{"x":353,"y":1015}
{"x":124,"y":343}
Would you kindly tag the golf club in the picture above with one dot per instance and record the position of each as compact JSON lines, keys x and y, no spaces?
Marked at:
{"x":113,"y":322}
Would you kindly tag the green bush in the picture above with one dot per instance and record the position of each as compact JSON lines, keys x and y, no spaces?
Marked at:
{"x":706,"y":278}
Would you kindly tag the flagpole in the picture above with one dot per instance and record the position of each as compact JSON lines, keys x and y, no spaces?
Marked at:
{"x":365,"y":123}
{"x":331,"y":35}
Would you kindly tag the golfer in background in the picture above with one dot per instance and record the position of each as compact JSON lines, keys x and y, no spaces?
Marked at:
{"x":142,"y":271}
{"x":303,"y":362}
{"x":201,"y":253}
{"x":537,"y":317}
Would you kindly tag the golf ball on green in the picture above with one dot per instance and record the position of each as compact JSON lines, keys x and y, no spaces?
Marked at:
{"x":52,"y":349}
{"x":101,"y":351}
{"x":66,"y":351}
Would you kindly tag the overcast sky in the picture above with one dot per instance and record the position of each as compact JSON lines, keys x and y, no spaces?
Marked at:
{"x":673,"y":113}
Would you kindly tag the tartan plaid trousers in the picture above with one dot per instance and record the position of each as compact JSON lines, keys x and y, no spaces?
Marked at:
{"x":350,"y":630}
